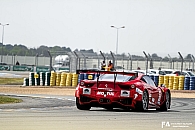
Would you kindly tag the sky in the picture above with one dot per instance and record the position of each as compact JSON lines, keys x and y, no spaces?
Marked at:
{"x":154,"y":26}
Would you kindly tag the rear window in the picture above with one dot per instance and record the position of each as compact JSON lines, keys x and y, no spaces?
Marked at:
{"x":119,"y":77}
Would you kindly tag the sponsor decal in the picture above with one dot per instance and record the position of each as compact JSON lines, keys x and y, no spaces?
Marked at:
{"x":159,"y":95}
{"x":105,"y":93}
{"x":139,"y":91}
{"x":135,"y":96}
{"x":125,"y":93}
{"x":86,"y":91}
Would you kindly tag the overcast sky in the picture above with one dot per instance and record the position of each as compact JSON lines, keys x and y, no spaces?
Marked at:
{"x":154,"y":26}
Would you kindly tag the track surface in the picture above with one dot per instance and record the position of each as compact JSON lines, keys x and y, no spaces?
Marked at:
{"x":43,"y":112}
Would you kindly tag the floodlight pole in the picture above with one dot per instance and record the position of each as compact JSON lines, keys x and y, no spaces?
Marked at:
{"x":2,"y":41}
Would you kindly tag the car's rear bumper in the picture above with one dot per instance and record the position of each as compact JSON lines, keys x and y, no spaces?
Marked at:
{"x":115,"y":102}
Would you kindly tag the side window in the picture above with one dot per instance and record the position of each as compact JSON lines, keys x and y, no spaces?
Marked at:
{"x":149,"y":80}
{"x":143,"y":80}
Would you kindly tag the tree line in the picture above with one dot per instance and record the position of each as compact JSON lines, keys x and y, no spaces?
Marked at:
{"x":21,"y":50}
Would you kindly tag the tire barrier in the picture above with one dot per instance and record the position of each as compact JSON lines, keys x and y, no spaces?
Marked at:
{"x":81,"y":77}
{"x":85,"y":76}
{"x":171,"y":80}
{"x":63,"y":79}
{"x":187,"y":83}
{"x":26,"y":82}
{"x":53,"y":79}
{"x":156,"y":78}
{"x":161,"y":80}
{"x":58,"y":79}
{"x":181,"y":83}
{"x":175,"y":83}
{"x":37,"y":79}
{"x":71,"y":79}
{"x":42,"y":78}
{"x":74,"y":80}
{"x":31,"y":79}
{"x":166,"y":81}
{"x":192,"y":83}
{"x":47,"y":78}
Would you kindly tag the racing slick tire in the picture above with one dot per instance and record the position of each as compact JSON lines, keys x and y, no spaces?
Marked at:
{"x":143,"y":105}
{"x":82,"y":107}
{"x":166,"y":105}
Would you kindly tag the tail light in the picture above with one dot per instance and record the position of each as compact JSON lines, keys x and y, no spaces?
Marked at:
{"x":127,"y":87}
{"x":124,"y":87}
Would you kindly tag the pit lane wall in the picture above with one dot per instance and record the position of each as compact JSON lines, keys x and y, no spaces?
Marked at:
{"x":64,"y":79}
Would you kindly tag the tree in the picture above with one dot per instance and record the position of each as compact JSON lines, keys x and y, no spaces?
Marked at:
{"x":154,"y":55}
{"x":188,"y":57}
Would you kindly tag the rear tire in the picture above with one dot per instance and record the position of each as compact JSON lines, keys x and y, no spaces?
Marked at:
{"x":166,"y":105}
{"x":143,"y":105}
{"x":82,"y":107}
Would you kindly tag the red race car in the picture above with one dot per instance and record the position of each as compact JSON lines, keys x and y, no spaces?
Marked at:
{"x":126,"y":90}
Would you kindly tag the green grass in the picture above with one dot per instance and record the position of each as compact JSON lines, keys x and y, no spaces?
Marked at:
{"x":5,"y":100}
{"x":11,"y":81}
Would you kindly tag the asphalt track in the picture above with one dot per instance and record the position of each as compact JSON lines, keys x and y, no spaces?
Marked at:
{"x":43,"y":112}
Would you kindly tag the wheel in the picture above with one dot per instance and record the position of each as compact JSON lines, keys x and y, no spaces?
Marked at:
{"x":143,"y":105}
{"x":82,"y":107}
{"x":166,"y":105}
{"x":145,"y":101}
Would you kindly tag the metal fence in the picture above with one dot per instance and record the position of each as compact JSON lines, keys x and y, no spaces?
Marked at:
{"x":82,"y":60}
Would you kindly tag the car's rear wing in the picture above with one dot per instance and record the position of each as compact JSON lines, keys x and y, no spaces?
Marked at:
{"x":100,"y":72}
{"x":135,"y":74}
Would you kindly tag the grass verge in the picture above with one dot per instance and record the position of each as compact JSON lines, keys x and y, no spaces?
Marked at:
{"x":6,"y":99}
{"x":11,"y":81}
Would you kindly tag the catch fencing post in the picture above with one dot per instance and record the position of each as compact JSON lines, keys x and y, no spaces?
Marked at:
{"x":181,"y":61}
{"x":130,"y":58}
{"x":50,"y":62}
{"x":113,"y":58}
{"x":84,"y":61}
{"x":170,"y":61}
{"x":77,"y":60}
{"x":103,"y":55}
{"x":146,"y":61}
{"x":151,"y":61}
